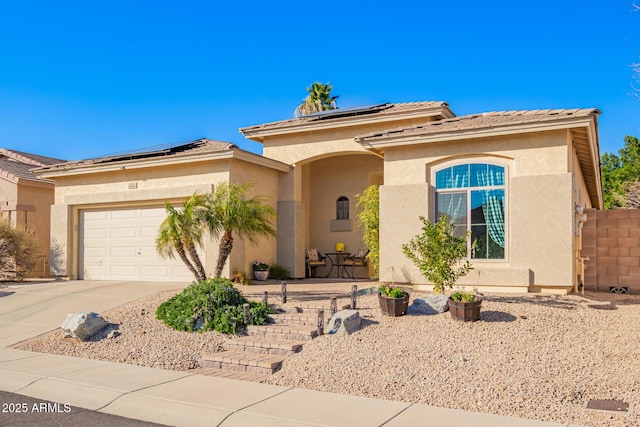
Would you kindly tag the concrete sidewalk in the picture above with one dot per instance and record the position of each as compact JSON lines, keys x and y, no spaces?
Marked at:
{"x":178,"y":398}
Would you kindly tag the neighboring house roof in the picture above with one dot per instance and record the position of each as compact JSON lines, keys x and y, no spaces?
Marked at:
{"x":199,"y":149}
{"x":15,"y":165}
{"x":350,"y":117}
{"x":582,"y":123}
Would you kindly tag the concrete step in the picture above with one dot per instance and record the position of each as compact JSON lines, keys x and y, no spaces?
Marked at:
{"x":283,"y":331}
{"x":275,"y":346}
{"x":243,"y":361}
{"x":233,"y":375}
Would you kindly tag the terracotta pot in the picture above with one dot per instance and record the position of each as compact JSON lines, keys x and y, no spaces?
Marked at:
{"x":465,"y":311}
{"x":261,"y":275}
{"x":393,"y":306}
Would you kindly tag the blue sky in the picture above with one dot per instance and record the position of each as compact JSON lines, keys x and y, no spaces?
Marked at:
{"x":82,"y":79}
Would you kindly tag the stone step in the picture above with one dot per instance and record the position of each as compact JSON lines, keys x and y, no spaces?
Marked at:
{"x":305,"y":309}
{"x":253,"y":344}
{"x":233,"y":375}
{"x":283,"y":331}
{"x":243,"y":361}
{"x":298,"y":318}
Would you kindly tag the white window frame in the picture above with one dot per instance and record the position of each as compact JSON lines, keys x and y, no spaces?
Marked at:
{"x":505,"y":187}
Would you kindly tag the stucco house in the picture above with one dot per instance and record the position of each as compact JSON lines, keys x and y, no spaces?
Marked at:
{"x":25,"y":199}
{"x":515,"y":179}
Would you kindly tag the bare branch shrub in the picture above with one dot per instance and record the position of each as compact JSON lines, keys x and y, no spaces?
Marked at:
{"x":18,"y":251}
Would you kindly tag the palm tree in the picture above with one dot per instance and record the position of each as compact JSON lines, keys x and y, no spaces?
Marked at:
{"x":181,"y":231}
{"x":319,"y":99}
{"x":229,"y":212}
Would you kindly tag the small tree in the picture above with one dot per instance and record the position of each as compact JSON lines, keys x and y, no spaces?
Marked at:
{"x":18,"y":251}
{"x":181,"y":232}
{"x":369,"y":218}
{"x":230,"y":211}
{"x":438,"y":253}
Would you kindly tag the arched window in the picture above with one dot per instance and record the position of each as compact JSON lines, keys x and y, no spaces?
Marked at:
{"x":342,"y":208}
{"x":472,"y":196}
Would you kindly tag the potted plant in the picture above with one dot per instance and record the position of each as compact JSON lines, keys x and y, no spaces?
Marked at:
{"x":394,"y":301}
{"x":439,"y":253}
{"x":260,"y":270}
{"x":465,"y":306}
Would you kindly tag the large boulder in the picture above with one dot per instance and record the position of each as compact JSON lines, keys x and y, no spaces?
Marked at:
{"x":83,"y":325}
{"x":344,"y":322}
{"x":431,"y":304}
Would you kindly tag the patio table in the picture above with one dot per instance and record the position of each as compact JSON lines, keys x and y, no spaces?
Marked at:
{"x":335,"y":259}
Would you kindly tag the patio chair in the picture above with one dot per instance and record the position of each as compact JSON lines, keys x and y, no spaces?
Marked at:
{"x":313,"y":260}
{"x":358,"y":259}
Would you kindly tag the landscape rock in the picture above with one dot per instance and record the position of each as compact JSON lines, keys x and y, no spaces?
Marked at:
{"x":373,"y":290}
{"x":344,"y":322}
{"x":83,"y":325}
{"x":430,"y":304}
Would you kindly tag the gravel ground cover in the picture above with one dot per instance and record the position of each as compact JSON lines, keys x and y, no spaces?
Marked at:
{"x":143,"y":339}
{"x":531,"y":356}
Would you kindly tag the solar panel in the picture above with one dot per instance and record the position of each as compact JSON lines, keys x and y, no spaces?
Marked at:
{"x":150,"y":150}
{"x":348,"y":111}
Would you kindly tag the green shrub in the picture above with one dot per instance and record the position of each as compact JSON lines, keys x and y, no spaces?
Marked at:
{"x":212,"y":304}
{"x":439,"y":254}
{"x":392,"y":291}
{"x":368,"y":204}
{"x":461,"y":296}
{"x":278,"y":272}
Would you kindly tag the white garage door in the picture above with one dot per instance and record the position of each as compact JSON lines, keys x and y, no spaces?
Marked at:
{"x":120,"y":245}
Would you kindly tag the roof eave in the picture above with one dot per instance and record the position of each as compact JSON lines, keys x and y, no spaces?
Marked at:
{"x":69,"y":170}
{"x":258,"y":133}
{"x":386,"y":141}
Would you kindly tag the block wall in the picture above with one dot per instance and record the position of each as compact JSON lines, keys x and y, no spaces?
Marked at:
{"x":611,"y":240}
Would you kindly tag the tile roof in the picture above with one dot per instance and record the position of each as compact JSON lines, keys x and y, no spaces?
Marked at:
{"x":198,"y":146}
{"x":336,"y":116}
{"x":29,"y":158}
{"x":16,"y":165}
{"x":474,"y":122}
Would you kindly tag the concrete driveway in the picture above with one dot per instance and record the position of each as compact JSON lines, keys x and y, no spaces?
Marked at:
{"x":28,"y":310}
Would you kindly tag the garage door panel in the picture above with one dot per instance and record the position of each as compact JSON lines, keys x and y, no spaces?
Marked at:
{"x":95,"y":233}
{"x":160,"y":214}
{"x":123,"y":233}
{"x":149,"y":232}
{"x":124,"y":214}
{"x":149,"y":251}
{"x":118,"y":271}
{"x":120,"y":245}
{"x":95,"y":215}
{"x":95,"y":271}
{"x":123,"y":251}
{"x":95,"y":252}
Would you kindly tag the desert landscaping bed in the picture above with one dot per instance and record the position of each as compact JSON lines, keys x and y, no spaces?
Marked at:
{"x":531,"y":356}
